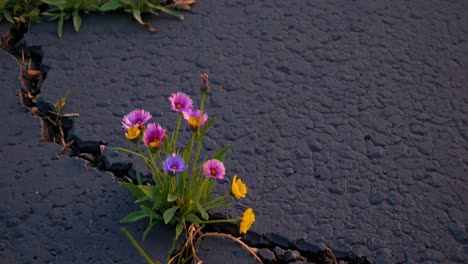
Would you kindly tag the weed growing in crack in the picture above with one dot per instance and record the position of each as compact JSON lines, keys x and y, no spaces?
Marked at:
{"x":26,"y":11}
{"x":181,"y":192}
{"x":52,"y":121}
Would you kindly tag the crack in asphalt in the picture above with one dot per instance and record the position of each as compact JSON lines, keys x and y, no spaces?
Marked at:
{"x":32,"y":75}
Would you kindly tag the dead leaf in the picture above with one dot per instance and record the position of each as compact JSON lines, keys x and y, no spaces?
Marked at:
{"x":34,"y":73}
{"x":183,"y":4}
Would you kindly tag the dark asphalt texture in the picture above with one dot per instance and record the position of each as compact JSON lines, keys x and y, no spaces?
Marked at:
{"x":349,"y":121}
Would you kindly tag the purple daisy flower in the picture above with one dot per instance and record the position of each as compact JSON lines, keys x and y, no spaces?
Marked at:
{"x":214,"y":169}
{"x":154,"y":136}
{"x":136,"y":118}
{"x":180,"y":102}
{"x":174,"y":164}
{"x":192,"y":117}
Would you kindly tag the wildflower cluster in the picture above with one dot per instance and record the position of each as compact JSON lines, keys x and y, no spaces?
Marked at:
{"x":180,"y":193}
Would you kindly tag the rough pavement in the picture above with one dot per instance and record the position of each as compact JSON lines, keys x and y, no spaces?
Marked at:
{"x":349,"y":119}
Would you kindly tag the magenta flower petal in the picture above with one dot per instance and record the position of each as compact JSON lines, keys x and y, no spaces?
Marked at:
{"x":180,"y":102}
{"x":174,"y":164}
{"x":214,"y":169}
{"x":154,"y":136}
{"x":136,"y":118}
{"x":192,"y":117}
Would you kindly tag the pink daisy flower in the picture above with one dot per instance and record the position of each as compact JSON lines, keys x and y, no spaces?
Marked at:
{"x":180,"y":102}
{"x":214,"y":169}
{"x":136,"y":118}
{"x":193,"y":118}
{"x":154,"y":136}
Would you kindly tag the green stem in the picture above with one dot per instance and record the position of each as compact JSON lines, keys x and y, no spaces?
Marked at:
{"x":139,"y":148}
{"x":184,"y":178}
{"x":131,"y":152}
{"x":202,"y":107}
{"x":207,"y":193}
{"x":200,"y":140}
{"x":170,"y":250}
{"x":138,"y":247}
{"x":182,"y":251}
{"x":214,"y":201}
{"x":192,"y":141}
{"x":158,"y":172}
{"x":141,"y":155}
{"x":154,"y":172}
{"x":176,"y":134}
{"x":162,"y":163}
{"x":220,"y":221}
{"x":197,"y":156}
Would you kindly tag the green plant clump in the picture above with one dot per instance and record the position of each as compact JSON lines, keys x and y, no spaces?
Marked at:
{"x":180,"y":193}
{"x":27,"y":11}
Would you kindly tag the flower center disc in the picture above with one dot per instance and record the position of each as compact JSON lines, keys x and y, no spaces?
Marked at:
{"x":154,"y":143}
{"x":213,"y":172}
{"x":174,"y":167}
{"x":194,"y":122}
{"x":178,"y":106}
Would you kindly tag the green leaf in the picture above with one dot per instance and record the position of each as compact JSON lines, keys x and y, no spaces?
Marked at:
{"x":193,"y":218}
{"x":169,"y":214}
{"x":111,"y":5}
{"x":61,"y":4}
{"x":146,"y":198}
{"x":134,"y":216}
{"x":147,"y":230}
{"x":8,"y":17}
{"x":186,"y":153}
{"x":53,"y":15}
{"x":60,"y":26}
{"x":207,"y":126}
{"x":178,"y":230}
{"x":203,"y":212}
{"x":138,"y":176}
{"x":221,"y":154}
{"x":134,"y":189}
{"x":156,"y":202}
{"x":180,"y":185}
{"x":137,"y":246}
{"x":76,"y":20}
{"x":53,"y":2}
{"x":149,"y":190}
{"x":170,"y":12}
{"x":137,"y":15}
{"x":171,"y":197}
{"x":166,"y":146}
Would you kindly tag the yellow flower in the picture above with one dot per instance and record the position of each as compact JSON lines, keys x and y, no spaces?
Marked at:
{"x":238,"y":188}
{"x":248,"y":217}
{"x":133,"y":133}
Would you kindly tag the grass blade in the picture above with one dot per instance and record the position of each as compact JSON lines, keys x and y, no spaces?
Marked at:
{"x":60,"y":26}
{"x":138,"y":247}
{"x":170,"y":12}
{"x":76,"y":20}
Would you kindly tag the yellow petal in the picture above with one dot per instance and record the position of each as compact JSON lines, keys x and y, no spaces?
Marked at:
{"x":238,"y":188}
{"x":248,"y":217}
{"x":133,"y":133}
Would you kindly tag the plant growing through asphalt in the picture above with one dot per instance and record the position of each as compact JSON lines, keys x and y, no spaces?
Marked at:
{"x":61,"y":10}
{"x":180,"y":193}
